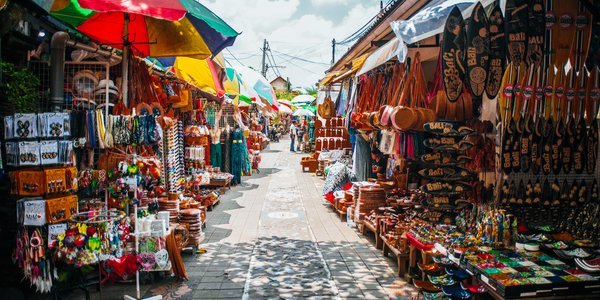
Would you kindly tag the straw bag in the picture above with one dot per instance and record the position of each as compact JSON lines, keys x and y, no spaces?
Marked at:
{"x":326,"y":110}
{"x":409,"y":114}
{"x":185,"y":96}
{"x":424,"y":114}
{"x":394,"y":87}
{"x":403,"y":117}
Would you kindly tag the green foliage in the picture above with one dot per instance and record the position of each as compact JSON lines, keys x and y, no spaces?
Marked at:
{"x":19,"y":90}
{"x":312,"y":90}
{"x":285,"y":95}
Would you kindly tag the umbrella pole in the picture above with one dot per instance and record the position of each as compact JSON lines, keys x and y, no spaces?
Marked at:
{"x":125,"y":61}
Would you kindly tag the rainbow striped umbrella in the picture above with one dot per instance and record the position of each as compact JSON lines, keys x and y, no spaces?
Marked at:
{"x":155,"y":28}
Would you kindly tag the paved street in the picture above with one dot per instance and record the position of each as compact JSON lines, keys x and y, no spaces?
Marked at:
{"x":273,"y":238}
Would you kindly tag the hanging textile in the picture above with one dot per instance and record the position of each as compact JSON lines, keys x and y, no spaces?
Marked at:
{"x":237,"y":155}
{"x":342,"y":100}
{"x":226,"y":148}
{"x":247,"y":163}
{"x":362,"y":158}
{"x":338,"y":176}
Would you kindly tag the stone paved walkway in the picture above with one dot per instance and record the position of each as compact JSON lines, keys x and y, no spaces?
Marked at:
{"x":273,"y":238}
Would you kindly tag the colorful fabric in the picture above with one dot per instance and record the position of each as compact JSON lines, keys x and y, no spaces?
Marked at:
{"x":237,"y":155}
{"x":226,"y":142}
{"x":216,"y":156}
{"x":338,"y":176}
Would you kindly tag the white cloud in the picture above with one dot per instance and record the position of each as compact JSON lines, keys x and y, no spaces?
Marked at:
{"x":308,"y":36}
{"x":325,"y":2}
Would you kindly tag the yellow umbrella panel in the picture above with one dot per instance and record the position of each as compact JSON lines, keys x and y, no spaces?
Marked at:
{"x":200,"y":73}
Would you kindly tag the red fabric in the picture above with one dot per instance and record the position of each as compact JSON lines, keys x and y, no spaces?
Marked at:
{"x":348,"y":186}
{"x":107,"y":28}
{"x":171,"y":10}
{"x":329,"y":197}
{"x":413,"y":241}
{"x":207,"y":152}
{"x":120,"y":268}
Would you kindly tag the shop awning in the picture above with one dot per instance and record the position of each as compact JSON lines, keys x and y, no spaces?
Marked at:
{"x":430,"y":20}
{"x":357,"y":64}
{"x":394,"y":48}
{"x":343,"y":76}
{"x":329,"y":77}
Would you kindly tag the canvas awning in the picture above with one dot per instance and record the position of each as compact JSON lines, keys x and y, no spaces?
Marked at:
{"x":394,"y":48}
{"x":357,"y":64}
{"x":430,"y":20}
{"x":329,"y":77}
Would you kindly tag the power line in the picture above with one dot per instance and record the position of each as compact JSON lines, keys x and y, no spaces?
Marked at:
{"x":361,"y":31}
{"x":301,"y":59}
{"x":249,"y":56}
{"x":274,"y":64}
{"x":305,"y":69}
{"x":234,"y":56}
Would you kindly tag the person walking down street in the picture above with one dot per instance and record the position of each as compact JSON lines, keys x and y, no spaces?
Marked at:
{"x":299,"y":135}
{"x":293,"y":131}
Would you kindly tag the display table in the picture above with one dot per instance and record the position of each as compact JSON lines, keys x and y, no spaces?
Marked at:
{"x":338,"y":207}
{"x":514,"y":275}
{"x":416,"y":247}
{"x":375,"y":229}
{"x":402,"y":258}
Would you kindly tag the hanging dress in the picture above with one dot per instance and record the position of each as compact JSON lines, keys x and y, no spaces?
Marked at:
{"x":237,"y":155}
{"x":226,"y":147}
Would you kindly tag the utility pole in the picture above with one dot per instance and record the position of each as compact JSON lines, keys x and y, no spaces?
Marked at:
{"x":332,"y":51}
{"x":263,"y":69}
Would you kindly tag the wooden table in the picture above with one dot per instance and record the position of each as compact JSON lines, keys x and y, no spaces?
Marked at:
{"x":401,"y":257}
{"x":375,"y":229}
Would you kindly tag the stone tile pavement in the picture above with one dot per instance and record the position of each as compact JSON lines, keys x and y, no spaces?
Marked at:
{"x":272,"y":237}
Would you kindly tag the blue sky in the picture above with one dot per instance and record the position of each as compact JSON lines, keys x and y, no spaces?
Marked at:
{"x":302,"y":28}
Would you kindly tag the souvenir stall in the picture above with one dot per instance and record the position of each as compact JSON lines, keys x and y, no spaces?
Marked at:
{"x":482,"y":179}
{"x":329,"y":138}
{"x":119,"y":188}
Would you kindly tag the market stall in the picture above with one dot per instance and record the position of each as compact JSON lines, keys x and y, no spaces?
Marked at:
{"x":476,"y":167}
{"x":115,"y":174}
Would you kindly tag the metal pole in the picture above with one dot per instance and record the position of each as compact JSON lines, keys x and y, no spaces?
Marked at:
{"x":125,"y":61}
{"x":263,"y":69}
{"x":332,"y":51}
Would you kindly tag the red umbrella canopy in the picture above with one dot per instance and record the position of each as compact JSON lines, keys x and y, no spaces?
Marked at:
{"x":155,"y":28}
{"x":160,"y":9}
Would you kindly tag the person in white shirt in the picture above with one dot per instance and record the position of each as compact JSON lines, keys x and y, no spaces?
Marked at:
{"x":293,"y":133}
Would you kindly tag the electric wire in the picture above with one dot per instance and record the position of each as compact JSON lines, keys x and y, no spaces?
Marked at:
{"x":293,"y":57}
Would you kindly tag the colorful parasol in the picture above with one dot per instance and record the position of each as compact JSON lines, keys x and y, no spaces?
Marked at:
{"x":255,"y":81}
{"x":285,"y":102}
{"x":231,"y":84}
{"x":155,"y":28}
{"x":303,"y":99}
{"x":304,"y":112}
{"x":284,"y":109}
{"x":201,"y":73}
